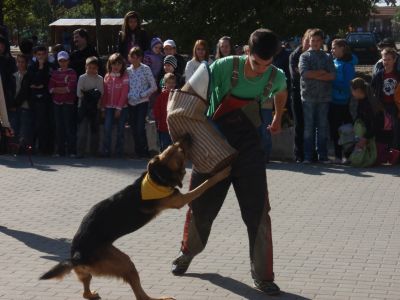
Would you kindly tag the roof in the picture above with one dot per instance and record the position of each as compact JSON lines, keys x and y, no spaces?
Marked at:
{"x":90,"y":22}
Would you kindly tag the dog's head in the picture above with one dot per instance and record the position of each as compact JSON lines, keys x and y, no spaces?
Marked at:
{"x":168,"y":168}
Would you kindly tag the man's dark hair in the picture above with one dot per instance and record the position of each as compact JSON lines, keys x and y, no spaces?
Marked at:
{"x":136,"y":51}
{"x":82,"y":33}
{"x":317,"y":32}
{"x":41,"y":48}
{"x":264,"y":43}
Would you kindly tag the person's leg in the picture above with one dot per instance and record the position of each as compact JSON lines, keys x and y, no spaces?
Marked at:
{"x":60,"y":127}
{"x":26,"y":130}
{"x":108,"y":126}
{"x":165,"y":140}
{"x":266,"y":139}
{"x":83,"y":129}
{"x":335,"y":120}
{"x":199,"y":218}
{"x":140,"y":138}
{"x":119,"y":146}
{"x":94,"y":133}
{"x":297,"y":108}
{"x":309,"y":130}
{"x":70,"y":127}
{"x":322,"y":130}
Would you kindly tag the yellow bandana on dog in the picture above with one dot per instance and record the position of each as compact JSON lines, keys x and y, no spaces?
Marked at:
{"x":152,"y":191}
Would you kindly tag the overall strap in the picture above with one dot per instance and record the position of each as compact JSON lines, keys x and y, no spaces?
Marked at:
{"x":270,"y":83}
{"x":235,"y":72}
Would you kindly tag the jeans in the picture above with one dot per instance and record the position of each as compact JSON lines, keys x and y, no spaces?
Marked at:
{"x":108,"y":128}
{"x":26,"y":122}
{"x":137,"y":120}
{"x":266,"y":140}
{"x":165,"y":140}
{"x":65,"y":117}
{"x":315,"y":124}
{"x":44,"y":125}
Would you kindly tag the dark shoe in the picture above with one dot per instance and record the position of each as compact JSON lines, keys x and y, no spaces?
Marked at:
{"x":268,"y":287}
{"x":181,"y":264}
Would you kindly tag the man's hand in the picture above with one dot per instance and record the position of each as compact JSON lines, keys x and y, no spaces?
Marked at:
{"x":275,"y":126}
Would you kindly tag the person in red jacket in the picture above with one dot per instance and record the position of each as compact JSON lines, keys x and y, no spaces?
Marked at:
{"x":160,"y":111}
{"x":62,"y":87}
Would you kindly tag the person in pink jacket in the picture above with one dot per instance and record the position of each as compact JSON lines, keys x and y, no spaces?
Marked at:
{"x":62,"y":87}
{"x":114,"y":103}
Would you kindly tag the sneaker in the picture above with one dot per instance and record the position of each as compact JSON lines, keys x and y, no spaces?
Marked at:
{"x":325,"y":161}
{"x":307,"y":161}
{"x":268,"y":287}
{"x":181,"y":264}
{"x":346,"y":161}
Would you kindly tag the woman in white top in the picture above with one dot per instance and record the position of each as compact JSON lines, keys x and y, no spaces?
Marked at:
{"x":200,"y":54}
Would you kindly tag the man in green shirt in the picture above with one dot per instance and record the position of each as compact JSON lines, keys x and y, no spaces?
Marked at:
{"x":238,"y":87}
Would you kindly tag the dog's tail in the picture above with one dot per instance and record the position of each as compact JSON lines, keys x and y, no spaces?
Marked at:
{"x":59,"y":270}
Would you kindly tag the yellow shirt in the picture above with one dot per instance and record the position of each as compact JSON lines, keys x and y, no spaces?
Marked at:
{"x":152,"y":191}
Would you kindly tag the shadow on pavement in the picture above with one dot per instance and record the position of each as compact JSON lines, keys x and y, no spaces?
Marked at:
{"x":320,"y":169}
{"x":49,"y":164}
{"x":240,"y":288}
{"x":57,"y":248}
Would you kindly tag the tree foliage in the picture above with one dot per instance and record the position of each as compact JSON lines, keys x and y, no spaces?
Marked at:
{"x":188,"y":20}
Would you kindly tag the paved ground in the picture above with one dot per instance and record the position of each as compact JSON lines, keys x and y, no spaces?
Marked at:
{"x":336,"y":233}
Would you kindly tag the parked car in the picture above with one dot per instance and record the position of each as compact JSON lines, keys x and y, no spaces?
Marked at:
{"x":363,"y":45}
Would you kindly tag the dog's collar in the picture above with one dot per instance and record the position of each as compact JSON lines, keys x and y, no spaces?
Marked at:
{"x":152,"y":191}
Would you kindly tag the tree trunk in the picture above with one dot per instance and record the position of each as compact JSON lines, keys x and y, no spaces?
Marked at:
{"x":97,"y":12}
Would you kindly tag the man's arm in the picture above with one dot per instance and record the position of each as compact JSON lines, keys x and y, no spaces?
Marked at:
{"x":326,"y":76}
{"x":314,"y":74}
{"x":279,"y":102}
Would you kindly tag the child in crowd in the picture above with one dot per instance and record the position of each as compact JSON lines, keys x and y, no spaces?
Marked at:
{"x":89,"y":91}
{"x":317,"y":72}
{"x":200,"y":53}
{"x":339,"y":109}
{"x":154,"y":57}
{"x":24,"y":127}
{"x":62,"y":87}
{"x":141,"y":86}
{"x":371,"y":113}
{"x":39,"y":73}
{"x":384,"y":84}
{"x":170,"y":65}
{"x":160,"y":111}
{"x":114,"y":103}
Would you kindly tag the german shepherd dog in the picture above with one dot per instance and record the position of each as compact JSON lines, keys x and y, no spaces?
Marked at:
{"x":92,"y":250}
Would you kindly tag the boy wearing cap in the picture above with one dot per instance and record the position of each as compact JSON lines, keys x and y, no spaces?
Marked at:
{"x":62,"y":87}
{"x":170,"y":49}
{"x":170,"y":65}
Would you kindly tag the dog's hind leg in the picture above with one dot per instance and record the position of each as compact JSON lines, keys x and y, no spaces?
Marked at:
{"x":118,"y":264}
{"x":85,"y":277}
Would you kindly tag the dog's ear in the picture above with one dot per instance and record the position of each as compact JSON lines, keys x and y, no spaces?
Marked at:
{"x":162,"y":175}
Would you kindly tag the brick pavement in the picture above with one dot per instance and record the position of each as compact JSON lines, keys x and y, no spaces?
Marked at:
{"x":336,"y":233}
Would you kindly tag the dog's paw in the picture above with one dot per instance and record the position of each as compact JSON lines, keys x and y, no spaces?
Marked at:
{"x":91,"y":295}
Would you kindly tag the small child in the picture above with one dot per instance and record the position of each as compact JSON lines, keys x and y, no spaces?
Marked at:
{"x":89,"y":91}
{"x":62,"y":87}
{"x":160,"y":111}
{"x":24,"y":126}
{"x":114,"y":103}
{"x":370,"y":112}
{"x":170,"y":65}
{"x":141,"y":86}
{"x":154,"y":57}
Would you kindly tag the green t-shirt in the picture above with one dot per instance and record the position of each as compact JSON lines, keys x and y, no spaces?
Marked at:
{"x":248,"y":88}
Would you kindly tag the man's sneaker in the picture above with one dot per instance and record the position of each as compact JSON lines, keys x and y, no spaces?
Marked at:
{"x":181,"y":264}
{"x":268,"y":287}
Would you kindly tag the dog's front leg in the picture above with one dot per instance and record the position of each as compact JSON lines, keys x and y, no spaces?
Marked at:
{"x":179,"y":200}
